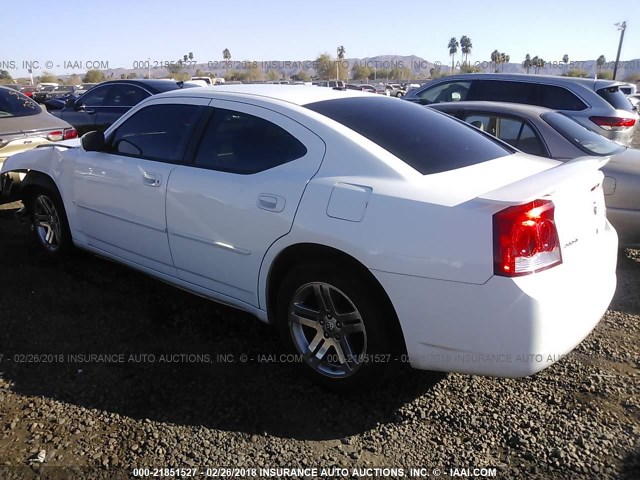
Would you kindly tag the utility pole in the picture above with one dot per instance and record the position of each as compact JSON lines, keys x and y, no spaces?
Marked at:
{"x":622,"y":27}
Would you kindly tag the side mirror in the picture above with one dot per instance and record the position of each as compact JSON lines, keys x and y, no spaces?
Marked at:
{"x":93,"y":142}
{"x":70,"y":102}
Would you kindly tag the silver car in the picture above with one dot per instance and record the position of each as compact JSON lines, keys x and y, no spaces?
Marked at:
{"x":548,"y":133}
{"x":597,"y":104}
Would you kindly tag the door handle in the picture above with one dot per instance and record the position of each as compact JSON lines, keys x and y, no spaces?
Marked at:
{"x":151,"y":179}
{"x":271,"y":202}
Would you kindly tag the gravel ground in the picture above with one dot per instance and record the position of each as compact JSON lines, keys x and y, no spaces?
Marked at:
{"x":174,"y":393}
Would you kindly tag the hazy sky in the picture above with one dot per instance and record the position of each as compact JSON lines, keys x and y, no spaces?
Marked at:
{"x":121,"y":32}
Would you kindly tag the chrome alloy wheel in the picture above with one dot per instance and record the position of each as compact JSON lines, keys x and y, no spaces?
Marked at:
{"x":327,"y":330}
{"x":46,"y":222}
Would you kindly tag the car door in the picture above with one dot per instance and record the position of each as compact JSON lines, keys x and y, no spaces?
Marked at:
{"x":239,"y":196}
{"x":118,"y":101}
{"x":84,"y":113}
{"x":120,"y":193}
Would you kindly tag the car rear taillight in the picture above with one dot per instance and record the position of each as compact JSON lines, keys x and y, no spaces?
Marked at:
{"x":525,"y":239}
{"x":70,"y":133}
{"x":613,"y":123}
{"x":55,"y":136}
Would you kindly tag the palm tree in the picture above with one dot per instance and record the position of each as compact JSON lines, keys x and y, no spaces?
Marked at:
{"x":505,"y":59}
{"x":340,"y":52}
{"x":600,"y":62}
{"x":453,"y":49}
{"x":226,"y":54}
{"x":465,"y":47}
{"x":565,"y":59}
{"x":495,"y":58}
{"x":527,"y":62}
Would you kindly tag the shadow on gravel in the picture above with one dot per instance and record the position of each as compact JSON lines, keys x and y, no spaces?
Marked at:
{"x":626,"y":298}
{"x":90,"y":306}
{"x":631,"y":466}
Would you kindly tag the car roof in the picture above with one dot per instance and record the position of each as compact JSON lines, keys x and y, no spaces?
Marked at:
{"x":296,"y":94}
{"x":594,"y":84}
{"x":498,"y":107}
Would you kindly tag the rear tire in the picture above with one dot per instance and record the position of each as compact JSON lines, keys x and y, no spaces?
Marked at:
{"x":49,"y":224}
{"x":335,"y":321}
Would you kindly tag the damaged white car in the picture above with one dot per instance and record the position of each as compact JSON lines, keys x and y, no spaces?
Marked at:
{"x":368,"y":230}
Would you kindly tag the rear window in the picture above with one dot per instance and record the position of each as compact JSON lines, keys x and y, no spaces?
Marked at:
{"x":428,"y":141}
{"x":15,"y":104}
{"x":616,"y":98}
{"x":583,"y":138}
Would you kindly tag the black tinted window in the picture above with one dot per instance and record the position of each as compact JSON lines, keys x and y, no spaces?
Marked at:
{"x":96,"y":97}
{"x":504,"y":91}
{"x":242,"y":143}
{"x":157,"y":132}
{"x":616,"y":98}
{"x":124,"y":96}
{"x":15,"y":104}
{"x":429,"y":141}
{"x":559,"y":98}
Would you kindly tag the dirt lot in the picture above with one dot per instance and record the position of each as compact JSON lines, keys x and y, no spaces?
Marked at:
{"x":199,"y":406}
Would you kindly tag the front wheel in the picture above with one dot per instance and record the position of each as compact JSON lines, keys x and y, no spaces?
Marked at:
{"x":49,"y":223}
{"x":335,"y":322}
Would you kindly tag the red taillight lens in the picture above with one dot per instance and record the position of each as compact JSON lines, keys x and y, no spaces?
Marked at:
{"x":525,"y":239}
{"x":55,"y":136}
{"x":70,"y":133}
{"x":613,"y":123}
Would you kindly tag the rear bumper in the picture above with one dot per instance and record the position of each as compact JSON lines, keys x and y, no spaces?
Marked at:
{"x":505,"y":327}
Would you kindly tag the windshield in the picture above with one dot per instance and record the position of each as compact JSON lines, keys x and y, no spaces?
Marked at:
{"x":429,"y":141}
{"x":15,"y":104}
{"x":583,"y":138}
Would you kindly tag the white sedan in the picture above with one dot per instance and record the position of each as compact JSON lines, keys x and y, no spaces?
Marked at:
{"x":367,"y":229}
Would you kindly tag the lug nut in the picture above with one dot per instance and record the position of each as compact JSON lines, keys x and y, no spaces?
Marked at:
{"x":326,"y":335}
{"x":337,"y":337}
{"x":321,"y":322}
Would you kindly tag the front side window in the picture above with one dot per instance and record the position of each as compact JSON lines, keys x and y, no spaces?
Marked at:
{"x":96,"y":97}
{"x":125,"y":96}
{"x":445,"y":92}
{"x":241,"y":143}
{"x":157,"y":132}
{"x":15,"y":104}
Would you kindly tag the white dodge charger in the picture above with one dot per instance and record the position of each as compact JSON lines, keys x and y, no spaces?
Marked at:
{"x":366,"y":228}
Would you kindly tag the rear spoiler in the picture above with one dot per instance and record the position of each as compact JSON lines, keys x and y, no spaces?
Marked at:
{"x":545,"y":182}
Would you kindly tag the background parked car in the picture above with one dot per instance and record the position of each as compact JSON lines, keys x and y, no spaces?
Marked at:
{"x":547,"y":133}
{"x":104,"y":104}
{"x":596,"y":104}
{"x":24,"y":124}
{"x":395,"y":90}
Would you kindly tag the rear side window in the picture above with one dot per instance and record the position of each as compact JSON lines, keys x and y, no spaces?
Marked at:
{"x":241,"y":143}
{"x":15,"y":104}
{"x":514,"y":131}
{"x":157,"y":132}
{"x":504,"y":91}
{"x":616,"y":98}
{"x":428,"y":141}
{"x":559,"y":98}
{"x":445,"y":92}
